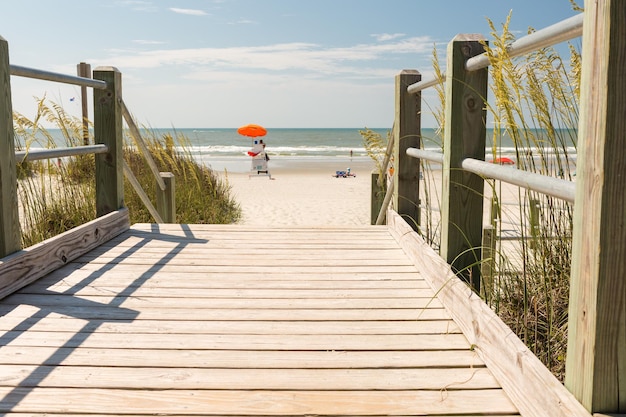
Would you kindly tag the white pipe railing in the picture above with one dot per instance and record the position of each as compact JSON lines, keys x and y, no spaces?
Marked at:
{"x":39,"y":154}
{"x":56,"y":77}
{"x":555,"y":187}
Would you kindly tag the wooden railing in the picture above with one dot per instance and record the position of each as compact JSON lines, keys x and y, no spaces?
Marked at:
{"x":596,"y":354}
{"x":18,"y":266}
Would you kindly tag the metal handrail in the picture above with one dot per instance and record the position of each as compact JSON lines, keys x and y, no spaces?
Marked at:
{"x":555,"y":187}
{"x":39,"y":154}
{"x":559,"y":32}
{"x":427,"y":155}
{"x":56,"y":77}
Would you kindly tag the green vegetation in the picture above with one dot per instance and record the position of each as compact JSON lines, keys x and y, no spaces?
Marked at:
{"x":534,"y":105}
{"x":58,"y":195}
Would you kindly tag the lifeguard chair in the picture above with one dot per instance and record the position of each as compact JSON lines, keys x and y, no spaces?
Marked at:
{"x":259,"y":159}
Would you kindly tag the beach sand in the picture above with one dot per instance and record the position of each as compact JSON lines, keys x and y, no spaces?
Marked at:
{"x":305,"y":193}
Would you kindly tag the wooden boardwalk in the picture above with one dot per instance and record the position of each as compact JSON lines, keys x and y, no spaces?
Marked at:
{"x":231,"y":320}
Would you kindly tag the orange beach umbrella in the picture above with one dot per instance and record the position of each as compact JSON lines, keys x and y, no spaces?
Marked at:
{"x":252,"y":131}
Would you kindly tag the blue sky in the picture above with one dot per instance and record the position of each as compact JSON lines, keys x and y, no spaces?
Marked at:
{"x":224,"y":63}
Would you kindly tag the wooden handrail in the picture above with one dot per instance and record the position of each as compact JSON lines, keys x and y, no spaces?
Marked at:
{"x":141,"y":145}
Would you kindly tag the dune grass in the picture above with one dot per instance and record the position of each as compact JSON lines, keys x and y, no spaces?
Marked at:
{"x":56,"y":195}
{"x":534,"y":102}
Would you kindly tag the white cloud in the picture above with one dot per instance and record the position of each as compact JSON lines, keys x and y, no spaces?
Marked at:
{"x":190,"y":12}
{"x":383,"y":37}
{"x":301,"y":57}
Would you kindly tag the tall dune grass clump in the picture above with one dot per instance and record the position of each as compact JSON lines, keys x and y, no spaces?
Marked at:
{"x":57,"y":195}
{"x":536,"y":105}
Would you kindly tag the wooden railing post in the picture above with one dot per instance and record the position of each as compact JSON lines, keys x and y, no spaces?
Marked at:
{"x":108,"y":131}
{"x":596,"y":351}
{"x":10,"y":239}
{"x":488,"y":262}
{"x":84,"y":70}
{"x":464,"y":137}
{"x":166,"y":199}
{"x":407,"y":135}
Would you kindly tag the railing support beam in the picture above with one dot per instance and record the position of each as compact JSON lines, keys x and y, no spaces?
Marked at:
{"x":596,"y":354}
{"x":464,"y":137}
{"x":407,"y":135}
{"x":108,"y":131}
{"x":10,"y":239}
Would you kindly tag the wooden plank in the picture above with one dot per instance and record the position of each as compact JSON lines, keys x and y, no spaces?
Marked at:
{"x":246,"y":379}
{"x":108,"y":131}
{"x":239,"y":342}
{"x":248,"y":268}
{"x":165,"y":293}
{"x":407,"y":134}
{"x":232,"y":327}
{"x":192,"y":260}
{"x":67,"y":302}
{"x":10,"y":237}
{"x":23,"y":267}
{"x":521,"y":374}
{"x":91,"y":311}
{"x":464,"y":137}
{"x":184,"y":276}
{"x":260,"y":403}
{"x":259,"y":359}
{"x":596,"y":357}
{"x":72,"y":277}
{"x":238,"y":253}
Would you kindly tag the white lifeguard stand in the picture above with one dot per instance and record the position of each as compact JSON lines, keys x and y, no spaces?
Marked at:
{"x":259,"y":159}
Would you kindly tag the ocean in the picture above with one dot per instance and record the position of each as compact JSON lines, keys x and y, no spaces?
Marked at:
{"x":226,"y":149}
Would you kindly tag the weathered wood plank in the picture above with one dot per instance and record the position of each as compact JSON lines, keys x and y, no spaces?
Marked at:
{"x":100,"y":312}
{"x":260,"y":359}
{"x":108,"y":131}
{"x":239,"y":342}
{"x":407,"y":134}
{"x":248,"y":268}
{"x":10,"y":237}
{"x":78,"y":278}
{"x":239,"y":253}
{"x":67,"y":302}
{"x":23,"y":267}
{"x":256,"y":403}
{"x":521,"y":374}
{"x":596,"y":353}
{"x":194,"y":259}
{"x":294,"y":294}
{"x":464,"y":137}
{"x":191,"y":326}
{"x":246,"y":379}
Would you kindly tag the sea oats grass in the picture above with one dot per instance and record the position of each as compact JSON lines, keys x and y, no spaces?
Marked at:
{"x":57,"y":195}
